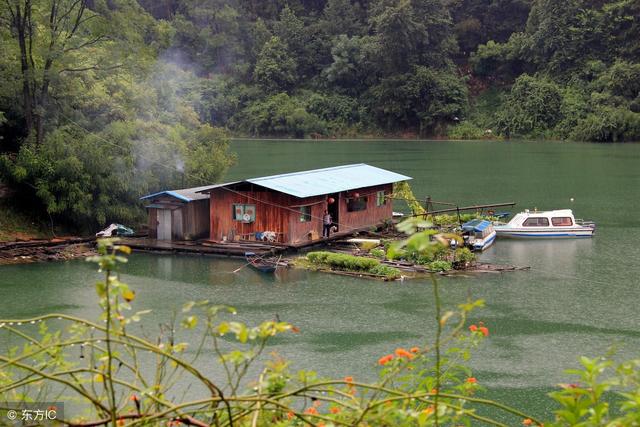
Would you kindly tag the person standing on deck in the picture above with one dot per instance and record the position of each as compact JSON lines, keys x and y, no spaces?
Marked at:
{"x":326,"y":224}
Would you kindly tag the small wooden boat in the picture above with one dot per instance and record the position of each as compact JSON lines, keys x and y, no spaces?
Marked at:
{"x":478,"y":234}
{"x":548,"y":224}
{"x":260,"y":263}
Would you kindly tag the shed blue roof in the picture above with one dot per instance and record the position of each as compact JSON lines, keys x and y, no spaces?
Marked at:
{"x":185,"y":194}
{"x":328,"y":180}
{"x":476,"y":225}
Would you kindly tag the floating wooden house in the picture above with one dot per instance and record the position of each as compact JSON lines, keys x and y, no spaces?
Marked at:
{"x":178,"y":214}
{"x":289,"y":208}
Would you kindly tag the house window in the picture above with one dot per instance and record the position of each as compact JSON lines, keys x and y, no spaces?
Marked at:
{"x":562,"y":221}
{"x":244,"y":213}
{"x":536,"y":222}
{"x":356,"y":204}
{"x":305,"y":213}
{"x":381,"y":200}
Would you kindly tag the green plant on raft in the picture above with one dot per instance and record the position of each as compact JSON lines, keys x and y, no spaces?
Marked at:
{"x":367,"y":246}
{"x":388,"y":272}
{"x":464,"y":255}
{"x":439,"y":266}
{"x":342,"y":261}
{"x":377,"y":252}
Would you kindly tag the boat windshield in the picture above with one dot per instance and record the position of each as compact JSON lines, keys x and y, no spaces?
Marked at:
{"x":536,"y":222}
{"x":561,"y":221}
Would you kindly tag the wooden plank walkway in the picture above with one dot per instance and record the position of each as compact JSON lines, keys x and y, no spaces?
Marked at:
{"x":232,"y":248}
{"x":200,"y":247}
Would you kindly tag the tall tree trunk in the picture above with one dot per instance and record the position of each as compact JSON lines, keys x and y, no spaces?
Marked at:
{"x":20,"y":26}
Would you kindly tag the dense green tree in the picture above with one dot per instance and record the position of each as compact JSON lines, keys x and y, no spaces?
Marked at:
{"x":533,"y":105}
{"x":276,"y":68}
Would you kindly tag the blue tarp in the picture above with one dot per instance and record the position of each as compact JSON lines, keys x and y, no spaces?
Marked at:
{"x":476,"y":225}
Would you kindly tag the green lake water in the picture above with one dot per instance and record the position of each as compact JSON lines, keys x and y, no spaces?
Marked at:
{"x":579,"y":298}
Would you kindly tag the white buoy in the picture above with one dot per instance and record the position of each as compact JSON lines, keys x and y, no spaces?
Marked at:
{"x":571,"y":199}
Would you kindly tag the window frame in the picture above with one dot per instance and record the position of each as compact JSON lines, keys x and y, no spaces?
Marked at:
{"x":357,"y":204}
{"x":244,"y":207}
{"x":304,"y":216}
{"x":537,"y":218}
{"x":381,"y":196}
{"x":568,"y":224}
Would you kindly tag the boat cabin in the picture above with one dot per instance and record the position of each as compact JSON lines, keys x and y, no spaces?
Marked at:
{"x":178,"y":214}
{"x":557,"y":223}
{"x":289,"y":208}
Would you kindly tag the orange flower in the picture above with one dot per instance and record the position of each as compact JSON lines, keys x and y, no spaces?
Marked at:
{"x":473,"y":328}
{"x":295,"y":329}
{"x":401,"y":352}
{"x":434,"y":390}
{"x":527,"y":422}
{"x":472,"y":380}
{"x":348,"y":379}
{"x":321,"y":424}
{"x":385,"y":359}
{"x":120,"y":422}
{"x":317,"y":403}
{"x":133,"y":398}
{"x":334,"y":410}
{"x":415,"y":350}
{"x":311,"y":411}
{"x":484,"y":331}
{"x":290,"y":415}
{"x":428,"y":410}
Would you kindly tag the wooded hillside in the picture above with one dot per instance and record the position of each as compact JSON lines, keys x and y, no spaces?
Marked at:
{"x":102,"y":100}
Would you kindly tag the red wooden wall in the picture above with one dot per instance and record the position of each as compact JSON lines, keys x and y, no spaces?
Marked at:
{"x":280,"y":213}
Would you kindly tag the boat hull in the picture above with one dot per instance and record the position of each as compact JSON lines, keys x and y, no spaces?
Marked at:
{"x":482,"y":244}
{"x":545,"y":232}
{"x":260,"y":264}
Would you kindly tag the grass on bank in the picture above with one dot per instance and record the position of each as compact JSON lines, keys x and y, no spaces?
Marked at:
{"x":16,"y":225}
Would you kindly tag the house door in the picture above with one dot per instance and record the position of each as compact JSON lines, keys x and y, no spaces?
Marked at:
{"x":334,"y":209}
{"x":164,"y":224}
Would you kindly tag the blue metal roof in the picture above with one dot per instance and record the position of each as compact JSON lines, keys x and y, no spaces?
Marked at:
{"x":328,"y":180}
{"x":476,"y":225}
{"x":185,"y":194}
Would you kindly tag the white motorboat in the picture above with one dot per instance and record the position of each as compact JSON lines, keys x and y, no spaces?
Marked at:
{"x":548,"y":224}
{"x":478,"y":234}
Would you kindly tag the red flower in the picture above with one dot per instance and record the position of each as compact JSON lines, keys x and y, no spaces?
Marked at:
{"x":472,"y":380}
{"x":334,"y":410}
{"x":473,"y":328}
{"x":527,"y":422}
{"x":484,"y":331}
{"x":311,"y":411}
{"x":415,"y":350}
{"x":290,"y":415}
{"x":401,"y":352}
{"x":348,"y":379}
{"x":385,"y":359}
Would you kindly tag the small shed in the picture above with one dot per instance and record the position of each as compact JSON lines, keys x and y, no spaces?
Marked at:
{"x":178,"y":214}
{"x":289,"y":208}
